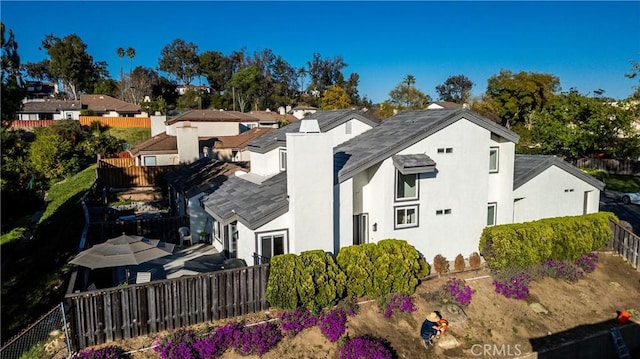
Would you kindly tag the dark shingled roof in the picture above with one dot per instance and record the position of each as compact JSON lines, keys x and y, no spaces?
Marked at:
{"x":250,"y":203}
{"x":210,"y":115}
{"x":327,"y":120}
{"x":400,"y":132}
{"x":104,"y":103}
{"x":51,"y":106}
{"x":527,"y":167}
{"x":414,"y":163}
{"x":203,"y":175}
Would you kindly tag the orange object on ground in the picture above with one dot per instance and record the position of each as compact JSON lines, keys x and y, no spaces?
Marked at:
{"x":623,"y":316}
{"x":442,"y":326}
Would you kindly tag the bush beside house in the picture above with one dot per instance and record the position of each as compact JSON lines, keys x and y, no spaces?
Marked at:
{"x":561,"y":238}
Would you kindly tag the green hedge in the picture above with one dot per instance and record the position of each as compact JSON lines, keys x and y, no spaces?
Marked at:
{"x":312,"y":280}
{"x":375,"y":270}
{"x":561,"y":238}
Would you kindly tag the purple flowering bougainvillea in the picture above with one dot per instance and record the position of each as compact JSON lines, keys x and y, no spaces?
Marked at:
{"x":334,"y":324}
{"x":108,"y":352}
{"x":398,"y":303}
{"x":293,"y":322}
{"x":365,"y":347}
{"x":458,"y":290}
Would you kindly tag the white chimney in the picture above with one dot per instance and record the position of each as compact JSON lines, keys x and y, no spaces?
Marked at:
{"x":309,"y":126}
{"x":188,"y":146}
{"x":310,"y":188}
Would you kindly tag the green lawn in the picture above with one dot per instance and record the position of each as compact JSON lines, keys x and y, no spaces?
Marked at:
{"x":132,"y":136}
{"x":619,"y":183}
{"x":37,"y":277}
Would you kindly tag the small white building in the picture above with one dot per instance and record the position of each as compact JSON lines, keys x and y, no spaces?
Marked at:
{"x":435,"y":178}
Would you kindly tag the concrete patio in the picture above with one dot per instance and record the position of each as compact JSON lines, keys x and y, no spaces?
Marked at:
{"x":190,"y":260}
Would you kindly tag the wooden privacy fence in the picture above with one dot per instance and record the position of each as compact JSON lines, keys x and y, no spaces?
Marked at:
{"x":102,"y":316}
{"x":31,"y":123}
{"x":116,"y":162}
{"x":138,"y":176}
{"x":627,"y":244}
{"x":610,"y":165}
{"x":123,"y":122}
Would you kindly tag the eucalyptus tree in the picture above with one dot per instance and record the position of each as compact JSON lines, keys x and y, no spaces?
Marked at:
{"x":455,"y":89}
{"x":70,"y":62}
{"x":180,"y":59}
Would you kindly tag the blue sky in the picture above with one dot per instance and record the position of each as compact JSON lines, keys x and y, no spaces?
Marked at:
{"x":587,"y":45}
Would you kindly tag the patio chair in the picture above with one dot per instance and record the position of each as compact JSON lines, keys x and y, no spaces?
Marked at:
{"x":185,"y":236}
{"x":143,"y":277}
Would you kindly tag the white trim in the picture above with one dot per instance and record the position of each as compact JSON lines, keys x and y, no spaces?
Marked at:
{"x":497,"y":166}
{"x":417,"y":187}
{"x":397,"y":209}
{"x":495,"y":213}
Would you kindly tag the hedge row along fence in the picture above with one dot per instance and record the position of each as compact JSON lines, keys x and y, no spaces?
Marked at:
{"x":561,"y":238}
{"x":315,"y":280}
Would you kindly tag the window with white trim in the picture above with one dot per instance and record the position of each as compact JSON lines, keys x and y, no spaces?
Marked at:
{"x":271,"y":244}
{"x":494,"y":153}
{"x":283,"y":159}
{"x":492,"y":210}
{"x":406,"y":216}
{"x":150,"y":160}
{"x":406,"y":186}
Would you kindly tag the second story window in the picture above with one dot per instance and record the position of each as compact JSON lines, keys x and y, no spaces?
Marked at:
{"x":406,"y":186}
{"x":493,"y":159}
{"x":283,"y":159}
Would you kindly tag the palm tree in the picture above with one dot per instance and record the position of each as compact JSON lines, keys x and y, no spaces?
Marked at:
{"x":410,"y":80}
{"x":120,"y":52}
{"x":131,"y":52}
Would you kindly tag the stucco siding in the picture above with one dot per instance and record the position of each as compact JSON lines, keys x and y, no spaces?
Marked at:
{"x":339,"y":133}
{"x":247,"y":237}
{"x":265,"y":164}
{"x":554,"y":193}
{"x":459,"y":187}
{"x":501,"y":182}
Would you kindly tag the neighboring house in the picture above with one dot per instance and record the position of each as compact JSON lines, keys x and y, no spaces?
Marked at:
{"x":301,"y":111}
{"x":203,"y":133}
{"x":234,"y":148}
{"x":272,"y":119}
{"x":107,"y":106}
{"x":41,"y":90}
{"x":213,"y":122}
{"x":443,"y":104}
{"x":187,"y":184}
{"x":435,"y":178}
{"x":50,"y":110}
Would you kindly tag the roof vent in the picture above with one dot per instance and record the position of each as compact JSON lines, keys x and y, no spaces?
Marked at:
{"x":309,"y":126}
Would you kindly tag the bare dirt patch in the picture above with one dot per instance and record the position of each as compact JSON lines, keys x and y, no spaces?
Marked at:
{"x":490,"y":318}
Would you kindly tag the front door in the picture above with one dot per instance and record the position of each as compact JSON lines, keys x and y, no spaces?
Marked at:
{"x":361,"y":228}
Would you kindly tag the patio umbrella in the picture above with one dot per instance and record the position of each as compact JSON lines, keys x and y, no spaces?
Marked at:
{"x":124,"y":250}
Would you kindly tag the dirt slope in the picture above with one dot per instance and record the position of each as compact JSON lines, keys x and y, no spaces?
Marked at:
{"x":490,"y":318}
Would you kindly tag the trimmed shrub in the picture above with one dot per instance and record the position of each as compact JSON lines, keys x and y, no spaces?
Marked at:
{"x":474,"y":260}
{"x":390,"y":266}
{"x":322,"y":283}
{"x":357,"y":264}
{"x":458,"y":264}
{"x":283,"y":281}
{"x":425,"y":269}
{"x":561,"y":238}
{"x":440,"y":264}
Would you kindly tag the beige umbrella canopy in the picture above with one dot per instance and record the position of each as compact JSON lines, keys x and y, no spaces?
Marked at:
{"x":124,"y":250}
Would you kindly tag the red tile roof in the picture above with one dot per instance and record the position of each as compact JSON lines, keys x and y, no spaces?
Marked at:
{"x":212,"y":116}
{"x":241,"y":140}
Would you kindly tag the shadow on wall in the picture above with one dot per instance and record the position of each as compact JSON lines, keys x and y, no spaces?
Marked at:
{"x":588,"y":341}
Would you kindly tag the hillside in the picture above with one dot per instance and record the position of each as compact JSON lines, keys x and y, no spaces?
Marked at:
{"x":575,"y":309}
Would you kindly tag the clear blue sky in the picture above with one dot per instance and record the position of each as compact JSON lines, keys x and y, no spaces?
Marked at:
{"x":587,"y":45}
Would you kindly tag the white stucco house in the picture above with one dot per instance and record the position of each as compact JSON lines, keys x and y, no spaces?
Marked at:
{"x":435,"y":178}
